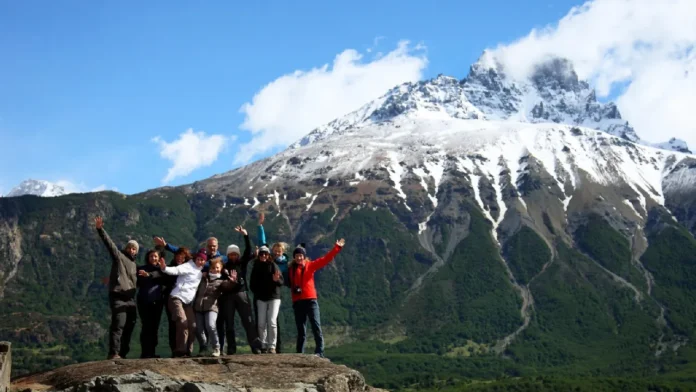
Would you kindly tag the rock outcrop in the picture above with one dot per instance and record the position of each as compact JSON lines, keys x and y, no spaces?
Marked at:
{"x":247,"y":373}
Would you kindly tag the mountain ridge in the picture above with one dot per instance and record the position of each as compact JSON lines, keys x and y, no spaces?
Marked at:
{"x":552,"y":93}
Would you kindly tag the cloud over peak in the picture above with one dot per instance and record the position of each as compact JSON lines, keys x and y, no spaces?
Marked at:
{"x":292,"y":105}
{"x":191,"y":151}
{"x":648,"y":46}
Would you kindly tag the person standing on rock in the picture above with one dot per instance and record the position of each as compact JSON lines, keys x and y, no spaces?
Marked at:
{"x":206,"y":307}
{"x":181,"y":299}
{"x":304,"y":294}
{"x":150,"y":301}
{"x":237,"y":300}
{"x":122,"y":287}
{"x":281,"y":259}
{"x":266,"y":280}
{"x":180,"y":257}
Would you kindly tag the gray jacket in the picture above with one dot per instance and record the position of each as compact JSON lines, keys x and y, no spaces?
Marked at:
{"x":209,"y":290}
{"x":123,"y":277}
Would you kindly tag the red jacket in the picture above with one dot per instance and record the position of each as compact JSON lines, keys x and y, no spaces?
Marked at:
{"x":306,"y":279}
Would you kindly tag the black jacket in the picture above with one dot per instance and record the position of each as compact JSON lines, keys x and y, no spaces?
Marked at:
{"x":240,"y":266}
{"x":262,"y":284}
{"x":151,"y":288}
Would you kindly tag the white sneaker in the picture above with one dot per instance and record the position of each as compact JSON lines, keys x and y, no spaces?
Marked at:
{"x":216,"y":352}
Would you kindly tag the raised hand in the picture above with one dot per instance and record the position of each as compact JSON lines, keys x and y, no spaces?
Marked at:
{"x":99,"y":222}
{"x":256,"y":252}
{"x":233,"y":275}
{"x":341,"y":242}
{"x":262,"y":218}
{"x":276,"y":276}
{"x":159,"y":241}
{"x":162,"y":264}
{"x":143,"y":273}
{"x":240,"y":229}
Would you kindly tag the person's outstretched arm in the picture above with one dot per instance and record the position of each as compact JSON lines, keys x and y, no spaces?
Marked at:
{"x":110,"y":246}
{"x":326,"y":259}
{"x":159,"y":241}
{"x":261,"y":233}
{"x":246,"y":256}
{"x":178,"y":270}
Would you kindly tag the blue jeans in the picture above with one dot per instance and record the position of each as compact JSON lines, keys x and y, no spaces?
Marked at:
{"x":304,"y":309}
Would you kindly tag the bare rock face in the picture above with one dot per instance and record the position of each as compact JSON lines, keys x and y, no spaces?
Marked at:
{"x":244,"y":373}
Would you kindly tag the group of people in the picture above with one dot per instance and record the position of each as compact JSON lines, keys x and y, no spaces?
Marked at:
{"x":200,"y":294}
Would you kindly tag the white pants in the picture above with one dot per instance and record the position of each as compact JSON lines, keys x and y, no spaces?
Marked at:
{"x":268,"y":322}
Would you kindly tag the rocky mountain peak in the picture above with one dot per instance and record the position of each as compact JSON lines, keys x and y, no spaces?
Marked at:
{"x":37,"y":188}
{"x":551,"y":93}
{"x":558,"y":74}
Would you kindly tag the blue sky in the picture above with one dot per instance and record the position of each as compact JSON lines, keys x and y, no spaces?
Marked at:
{"x":85,"y":86}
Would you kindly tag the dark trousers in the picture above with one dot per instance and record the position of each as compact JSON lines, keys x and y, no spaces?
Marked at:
{"x":229,"y":305}
{"x":172,"y":330}
{"x":308,"y":309}
{"x":150,"y":316}
{"x":123,"y":316}
{"x":279,"y":345}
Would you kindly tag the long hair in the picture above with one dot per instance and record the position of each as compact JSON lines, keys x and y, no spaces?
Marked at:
{"x":149,"y":252}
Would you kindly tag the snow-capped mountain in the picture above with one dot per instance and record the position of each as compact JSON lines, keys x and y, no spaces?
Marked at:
{"x":490,"y":131}
{"x":552,"y":93}
{"x":37,"y":188}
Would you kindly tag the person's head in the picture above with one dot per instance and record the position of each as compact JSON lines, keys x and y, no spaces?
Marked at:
{"x":152,"y":257}
{"x":215,"y":266}
{"x":132,"y":248}
{"x":233,"y":253}
{"x":211,"y":245}
{"x":278,"y":249}
{"x":201,"y":258}
{"x":182,"y":255}
{"x":299,"y":254}
{"x":264,"y":254}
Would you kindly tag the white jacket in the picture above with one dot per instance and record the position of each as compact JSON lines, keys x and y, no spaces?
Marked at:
{"x":187,"y":282}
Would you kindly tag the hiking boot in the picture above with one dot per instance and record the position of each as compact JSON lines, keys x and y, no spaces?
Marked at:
{"x":216,"y":352}
{"x":256,"y":350}
{"x":114,"y":356}
{"x":271,"y":351}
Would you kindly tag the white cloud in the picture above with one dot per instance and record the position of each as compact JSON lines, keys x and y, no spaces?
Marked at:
{"x":192,"y":150}
{"x":292,"y":105}
{"x":648,"y":44}
{"x":81,"y":187}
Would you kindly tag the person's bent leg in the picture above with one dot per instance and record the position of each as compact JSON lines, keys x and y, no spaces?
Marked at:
{"x":300,"y":320}
{"x":314,"y":321}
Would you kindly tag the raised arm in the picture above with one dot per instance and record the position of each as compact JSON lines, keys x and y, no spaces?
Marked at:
{"x":159,"y":241}
{"x":326,"y":259}
{"x":261,"y":233}
{"x":110,"y":246}
{"x":247,"y":256}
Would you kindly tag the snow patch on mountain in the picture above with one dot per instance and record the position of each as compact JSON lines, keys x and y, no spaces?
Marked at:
{"x":37,"y":188}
